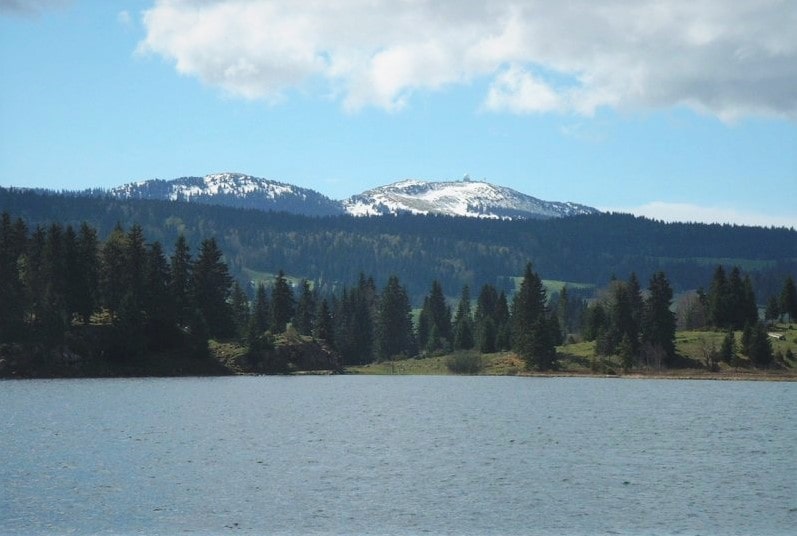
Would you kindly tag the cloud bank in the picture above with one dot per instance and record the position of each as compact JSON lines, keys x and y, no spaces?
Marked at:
{"x":728,"y":58}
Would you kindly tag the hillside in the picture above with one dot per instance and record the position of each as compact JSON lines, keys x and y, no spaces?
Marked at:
{"x":333,"y":251}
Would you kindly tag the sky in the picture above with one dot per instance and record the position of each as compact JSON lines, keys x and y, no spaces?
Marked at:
{"x":676,"y":110}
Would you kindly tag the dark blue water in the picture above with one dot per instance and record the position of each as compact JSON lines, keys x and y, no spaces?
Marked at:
{"x":397,"y":455}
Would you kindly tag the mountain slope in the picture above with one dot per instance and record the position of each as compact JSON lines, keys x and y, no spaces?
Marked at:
{"x":467,"y":198}
{"x":475,"y":199}
{"x":234,"y":190}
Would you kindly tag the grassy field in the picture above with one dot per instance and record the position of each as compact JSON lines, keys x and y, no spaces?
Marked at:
{"x":580,"y":359}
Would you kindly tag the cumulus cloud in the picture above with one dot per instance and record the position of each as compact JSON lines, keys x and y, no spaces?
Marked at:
{"x":729,"y":58}
{"x":685,"y":212}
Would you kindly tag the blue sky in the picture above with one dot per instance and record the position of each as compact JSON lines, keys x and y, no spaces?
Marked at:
{"x":679,"y":111}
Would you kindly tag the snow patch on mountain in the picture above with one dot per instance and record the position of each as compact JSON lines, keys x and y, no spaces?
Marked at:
{"x":234,"y":189}
{"x":468,"y":198}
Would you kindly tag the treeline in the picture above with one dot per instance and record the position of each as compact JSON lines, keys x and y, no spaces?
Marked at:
{"x":333,"y":251}
{"x":56,"y":281}
{"x":641,"y":330}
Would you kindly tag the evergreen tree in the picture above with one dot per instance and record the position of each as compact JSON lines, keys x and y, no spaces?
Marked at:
{"x":11,"y":293}
{"x":212,"y":285}
{"x":530,"y":328}
{"x":261,"y":312}
{"x":437,"y":317}
{"x":324,"y":328}
{"x":760,"y":347}
{"x":658,"y":322}
{"x":563,"y":312}
{"x":181,"y":292}
{"x":304,"y":319}
{"x":463,"y":323}
{"x":728,"y":348}
{"x":240,"y":310}
{"x":112,"y":271}
{"x":772,"y":312}
{"x":484,"y":319}
{"x":719,"y":300}
{"x":788,"y":299}
{"x":282,"y":303}
{"x":394,"y":324}
{"x":636,"y":302}
{"x":135,"y":258}
{"x":161,"y":318}
{"x":87,"y":272}
{"x":503,"y":324}
{"x":747,"y":339}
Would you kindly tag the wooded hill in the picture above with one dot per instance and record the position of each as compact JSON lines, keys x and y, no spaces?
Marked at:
{"x":333,"y":251}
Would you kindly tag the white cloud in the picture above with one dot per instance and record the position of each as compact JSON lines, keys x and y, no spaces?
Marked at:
{"x":124,"y":18}
{"x":685,"y":212}
{"x":729,"y":58}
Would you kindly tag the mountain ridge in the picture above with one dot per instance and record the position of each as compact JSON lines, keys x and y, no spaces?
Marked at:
{"x":466,"y":198}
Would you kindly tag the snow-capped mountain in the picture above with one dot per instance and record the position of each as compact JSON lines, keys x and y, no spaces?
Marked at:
{"x":467,"y":197}
{"x":236,"y":190}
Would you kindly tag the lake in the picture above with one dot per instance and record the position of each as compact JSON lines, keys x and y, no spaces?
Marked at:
{"x":397,"y":455}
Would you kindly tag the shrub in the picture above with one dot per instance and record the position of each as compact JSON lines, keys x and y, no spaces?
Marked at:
{"x":464,"y":363}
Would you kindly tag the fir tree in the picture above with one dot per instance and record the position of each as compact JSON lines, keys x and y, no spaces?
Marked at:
{"x":760,"y":347}
{"x":282,"y":303}
{"x":728,"y":348}
{"x":437,"y":316}
{"x":324,"y":329}
{"x":112,"y":271}
{"x":304,"y":318}
{"x":772,"y":311}
{"x":530,"y":328}
{"x":658,"y":322}
{"x":181,"y":292}
{"x":261,"y":312}
{"x":161,"y":318}
{"x":88,"y":270}
{"x":239,"y":304}
{"x":394,"y":324}
{"x":212,"y":285}
{"x":463,"y":323}
{"x":788,"y":299}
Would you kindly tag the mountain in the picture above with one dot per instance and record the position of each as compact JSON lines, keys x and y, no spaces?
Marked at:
{"x":476,"y":199}
{"x":233,"y":190}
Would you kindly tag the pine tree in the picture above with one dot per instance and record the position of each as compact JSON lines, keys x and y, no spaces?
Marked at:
{"x":240,"y":310}
{"x":788,"y":299}
{"x":88,"y":272}
{"x":530,"y":329}
{"x":11,"y":294}
{"x":212,"y":285}
{"x":772,"y":312}
{"x":728,"y":348}
{"x":304,"y":319}
{"x":436,"y":315}
{"x":394,"y":323}
{"x":484,"y":319}
{"x":463,"y":323}
{"x":282,"y":303}
{"x":181,"y":292}
{"x":658,"y":322}
{"x":760,"y":347}
{"x":718,"y":300}
{"x":324,"y":329}
{"x":503,"y":324}
{"x":260,"y":315}
{"x":161,"y":318}
{"x":112,"y":271}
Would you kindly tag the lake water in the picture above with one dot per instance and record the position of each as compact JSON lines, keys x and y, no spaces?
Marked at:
{"x":397,"y":455}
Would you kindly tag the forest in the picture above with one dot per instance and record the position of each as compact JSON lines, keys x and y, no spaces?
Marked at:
{"x":330,"y":252}
{"x":66,"y":292}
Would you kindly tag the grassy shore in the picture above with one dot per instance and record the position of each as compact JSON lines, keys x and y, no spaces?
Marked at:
{"x":579,"y":359}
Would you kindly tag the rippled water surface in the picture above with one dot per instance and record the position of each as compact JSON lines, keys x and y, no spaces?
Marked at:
{"x":397,"y":455}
